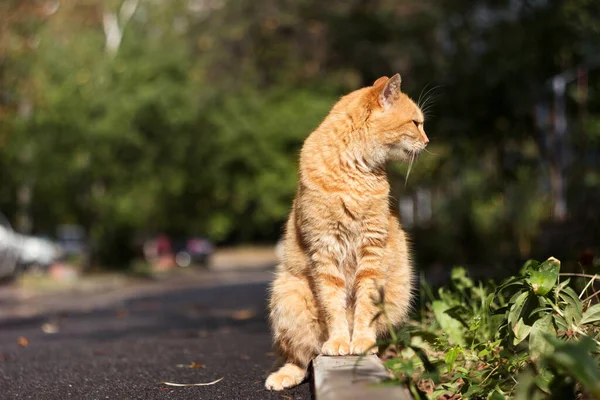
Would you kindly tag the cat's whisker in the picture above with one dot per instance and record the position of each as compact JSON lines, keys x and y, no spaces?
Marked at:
{"x":431,"y":94}
{"x":410,"y":164}
{"x":421,"y":94}
{"x":427,"y":108}
{"x":428,"y":102}
{"x":430,"y":90}
{"x":427,"y":113}
{"x":432,"y":153}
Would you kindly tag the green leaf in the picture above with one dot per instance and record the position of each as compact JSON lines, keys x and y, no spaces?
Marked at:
{"x":429,"y":337}
{"x":527,"y":389}
{"x":514,"y":281}
{"x":416,"y":392}
{"x":483,"y":353}
{"x":463,"y":370}
{"x":576,"y":360}
{"x":560,"y":323}
{"x":539,"y":310}
{"x":569,"y":295}
{"x":457,"y":313}
{"x":449,"y":325}
{"x":489,"y":301}
{"x":591,"y":315}
{"x":475,"y":324}
{"x":460,"y":279}
{"x":516,"y":310}
{"x":451,"y":356}
{"x":521,"y":331}
{"x":538,"y":344}
{"x":496,"y":395}
{"x":530,"y":265}
{"x":544,"y":379}
{"x":429,"y":367}
{"x":472,"y":390}
{"x":573,"y":309}
{"x":542,"y":278}
{"x":563,"y":284}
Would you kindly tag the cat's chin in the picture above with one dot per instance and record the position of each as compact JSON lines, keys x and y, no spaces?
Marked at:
{"x":398,"y":153}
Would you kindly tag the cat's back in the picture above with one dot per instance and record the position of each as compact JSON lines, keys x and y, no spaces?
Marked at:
{"x":334,"y":131}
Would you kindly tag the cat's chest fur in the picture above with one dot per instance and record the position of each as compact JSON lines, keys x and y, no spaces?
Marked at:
{"x":355,"y":221}
{"x":346,"y":222}
{"x":340,"y":204}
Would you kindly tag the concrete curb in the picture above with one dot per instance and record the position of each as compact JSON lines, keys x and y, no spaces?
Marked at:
{"x":353,"y":378}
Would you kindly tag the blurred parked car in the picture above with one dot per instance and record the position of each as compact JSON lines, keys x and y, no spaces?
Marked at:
{"x":9,"y":253}
{"x":37,"y":253}
{"x":19,"y":253}
{"x":72,"y":239}
{"x":185,"y":252}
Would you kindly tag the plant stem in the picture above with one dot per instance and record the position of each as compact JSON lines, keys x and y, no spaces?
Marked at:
{"x":580,"y":275}
{"x":590,"y":282}
{"x":592,"y":295}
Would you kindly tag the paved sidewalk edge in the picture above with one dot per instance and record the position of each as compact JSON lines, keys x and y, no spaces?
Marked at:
{"x":353,"y":378}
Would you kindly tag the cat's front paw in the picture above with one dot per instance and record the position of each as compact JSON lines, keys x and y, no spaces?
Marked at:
{"x":284,"y":379}
{"x":363,"y":345}
{"x":336,"y":347}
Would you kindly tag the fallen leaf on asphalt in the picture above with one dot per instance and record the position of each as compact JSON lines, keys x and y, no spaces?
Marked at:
{"x":50,"y":328}
{"x":283,"y":396}
{"x":197,"y":308}
{"x":244,"y":357}
{"x":193,"y":384}
{"x":192,"y":365}
{"x":243,"y":314}
{"x":22,"y":341}
{"x":270,"y":354}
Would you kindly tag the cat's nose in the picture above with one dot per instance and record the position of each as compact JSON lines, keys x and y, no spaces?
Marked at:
{"x":425,"y":138}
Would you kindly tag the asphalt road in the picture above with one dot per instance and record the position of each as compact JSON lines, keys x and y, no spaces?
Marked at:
{"x":125,"y":350}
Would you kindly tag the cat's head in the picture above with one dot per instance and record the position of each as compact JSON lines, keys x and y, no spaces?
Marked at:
{"x":396,"y":120}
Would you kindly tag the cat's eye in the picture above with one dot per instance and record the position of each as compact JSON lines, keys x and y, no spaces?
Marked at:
{"x":417,"y":123}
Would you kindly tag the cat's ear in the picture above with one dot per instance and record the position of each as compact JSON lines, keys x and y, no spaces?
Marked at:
{"x":380,"y":81}
{"x":391,"y":91}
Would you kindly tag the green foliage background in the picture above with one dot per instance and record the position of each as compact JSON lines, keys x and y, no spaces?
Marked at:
{"x":194,"y":125}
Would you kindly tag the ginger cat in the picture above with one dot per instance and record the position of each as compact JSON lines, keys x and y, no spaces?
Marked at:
{"x":342,"y":241}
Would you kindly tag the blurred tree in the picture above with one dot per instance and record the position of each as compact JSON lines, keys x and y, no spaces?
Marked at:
{"x":132,"y":117}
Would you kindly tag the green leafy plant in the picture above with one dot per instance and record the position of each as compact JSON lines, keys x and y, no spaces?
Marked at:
{"x":530,"y":337}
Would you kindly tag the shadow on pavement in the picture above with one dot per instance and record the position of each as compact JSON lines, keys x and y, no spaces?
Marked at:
{"x":184,"y":312}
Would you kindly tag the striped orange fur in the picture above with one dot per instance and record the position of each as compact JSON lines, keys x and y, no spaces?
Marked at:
{"x":342,"y":241}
